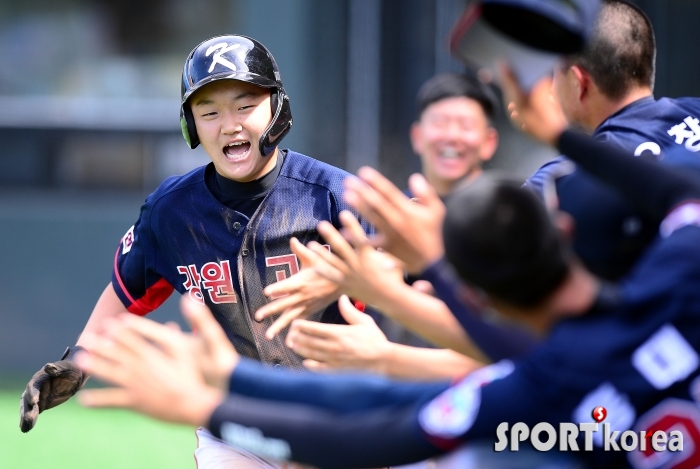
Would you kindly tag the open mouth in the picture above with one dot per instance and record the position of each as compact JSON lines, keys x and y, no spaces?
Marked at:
{"x":237,"y":150}
{"x":448,"y":153}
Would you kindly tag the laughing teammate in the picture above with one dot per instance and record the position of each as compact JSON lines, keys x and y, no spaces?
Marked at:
{"x":221,"y":233}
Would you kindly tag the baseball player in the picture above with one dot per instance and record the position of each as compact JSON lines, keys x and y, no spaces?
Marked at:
{"x":221,"y":233}
{"x":645,"y":374}
{"x":453,"y":135}
{"x":607,"y":91}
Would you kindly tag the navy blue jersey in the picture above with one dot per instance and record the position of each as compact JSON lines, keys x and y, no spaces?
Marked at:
{"x":610,"y":233}
{"x":636,"y":355}
{"x":185,"y":239}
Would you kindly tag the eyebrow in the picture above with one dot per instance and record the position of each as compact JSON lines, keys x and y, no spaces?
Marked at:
{"x":243,"y":95}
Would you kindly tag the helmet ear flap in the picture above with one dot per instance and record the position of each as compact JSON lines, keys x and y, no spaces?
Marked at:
{"x":280,"y":124}
{"x":189,"y":130}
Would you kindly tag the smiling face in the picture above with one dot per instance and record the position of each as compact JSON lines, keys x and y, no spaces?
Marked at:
{"x":230,"y":117}
{"x":453,"y":139}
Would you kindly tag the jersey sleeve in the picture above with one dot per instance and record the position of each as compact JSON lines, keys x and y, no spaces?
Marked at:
{"x":497,"y":341}
{"x":325,"y":430}
{"x":339,"y":421}
{"x":134,"y":277}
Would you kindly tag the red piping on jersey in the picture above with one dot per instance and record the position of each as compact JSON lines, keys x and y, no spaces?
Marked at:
{"x":155,"y":295}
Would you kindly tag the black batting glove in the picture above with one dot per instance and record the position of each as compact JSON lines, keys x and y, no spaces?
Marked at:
{"x":53,"y":385}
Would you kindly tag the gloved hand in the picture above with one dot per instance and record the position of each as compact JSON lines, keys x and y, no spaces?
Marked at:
{"x":54,"y":384}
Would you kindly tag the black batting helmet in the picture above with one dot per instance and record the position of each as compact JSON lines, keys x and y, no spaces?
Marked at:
{"x":235,"y":57}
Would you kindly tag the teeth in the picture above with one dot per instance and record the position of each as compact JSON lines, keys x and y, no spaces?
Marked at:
{"x":449,"y":153}
{"x":235,"y":144}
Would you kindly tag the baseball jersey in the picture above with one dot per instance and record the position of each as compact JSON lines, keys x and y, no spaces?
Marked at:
{"x":635,"y":353}
{"x":187,"y":240}
{"x":610,"y":233}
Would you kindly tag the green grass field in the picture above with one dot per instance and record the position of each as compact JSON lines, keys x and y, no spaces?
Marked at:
{"x":72,"y":437}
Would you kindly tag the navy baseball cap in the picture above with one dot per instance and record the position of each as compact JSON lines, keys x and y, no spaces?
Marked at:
{"x":528,"y":34}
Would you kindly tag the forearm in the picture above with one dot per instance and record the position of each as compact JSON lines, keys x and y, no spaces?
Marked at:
{"x":415,"y":363}
{"x":109,"y":305}
{"x":322,"y":438}
{"x":428,"y":317}
{"x":498,"y":342}
{"x":651,"y":187}
{"x":338,"y":392}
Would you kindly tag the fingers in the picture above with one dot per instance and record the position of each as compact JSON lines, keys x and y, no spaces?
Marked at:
{"x":347,"y":308}
{"x":201,"y":319}
{"x":28,"y":411}
{"x":424,"y":192}
{"x":353,"y":230}
{"x":315,"y":348}
{"x":351,"y":314}
{"x":369,"y":204}
{"x":339,"y":245}
{"x":277,"y":306}
{"x":99,"y":366}
{"x":304,"y":254}
{"x":110,"y":397}
{"x":285,"y":319}
{"x":316,"y":366}
{"x":382,"y":185}
{"x":286,"y":286}
{"x":138,"y":335}
{"x":509,"y":85}
{"x":329,"y":259}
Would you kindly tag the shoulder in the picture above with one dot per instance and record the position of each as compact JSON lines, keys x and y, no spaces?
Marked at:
{"x":307,"y":170}
{"x":175,"y":186}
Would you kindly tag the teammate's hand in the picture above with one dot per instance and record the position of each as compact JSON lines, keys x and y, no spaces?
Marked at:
{"x":216,"y":356}
{"x":298,"y":296}
{"x":154,"y":370}
{"x":54,"y":384}
{"x":328,"y":347}
{"x":537,"y":114}
{"x":362,"y":272}
{"x":411,"y":231}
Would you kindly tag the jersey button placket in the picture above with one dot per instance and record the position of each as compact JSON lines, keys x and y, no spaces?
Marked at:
{"x":236,"y":226}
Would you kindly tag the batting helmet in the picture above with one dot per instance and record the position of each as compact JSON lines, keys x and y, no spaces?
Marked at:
{"x":241,"y":58}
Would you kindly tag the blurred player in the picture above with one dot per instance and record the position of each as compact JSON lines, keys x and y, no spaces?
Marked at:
{"x":645,"y":373}
{"x":453,"y":135}
{"x":607,"y":91}
{"x":221,"y":233}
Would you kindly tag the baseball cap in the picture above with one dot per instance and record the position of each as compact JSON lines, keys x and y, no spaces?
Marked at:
{"x":529,"y":35}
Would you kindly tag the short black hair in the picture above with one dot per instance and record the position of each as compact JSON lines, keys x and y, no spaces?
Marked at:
{"x":499,"y":237}
{"x":621,"y":52}
{"x":450,"y":85}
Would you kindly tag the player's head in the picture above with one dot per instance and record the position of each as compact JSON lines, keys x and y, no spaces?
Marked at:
{"x":499,"y":237}
{"x":453,"y":134}
{"x":234,"y":104}
{"x":619,"y":58}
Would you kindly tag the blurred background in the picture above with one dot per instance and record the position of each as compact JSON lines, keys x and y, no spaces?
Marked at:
{"x":89,"y":107}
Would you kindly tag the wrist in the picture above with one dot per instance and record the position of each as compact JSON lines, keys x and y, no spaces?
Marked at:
{"x":201,"y":405}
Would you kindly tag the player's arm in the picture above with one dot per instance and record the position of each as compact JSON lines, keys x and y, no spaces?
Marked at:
{"x":108,"y":306}
{"x":56,"y":382}
{"x":361,"y":346}
{"x":650,"y":187}
{"x":347,"y":421}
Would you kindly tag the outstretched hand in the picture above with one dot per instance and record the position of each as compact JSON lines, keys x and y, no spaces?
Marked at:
{"x":537,"y":113}
{"x":360,"y":345}
{"x":360,"y":270}
{"x":298,"y":296}
{"x":409,"y":229}
{"x":157,"y":369}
